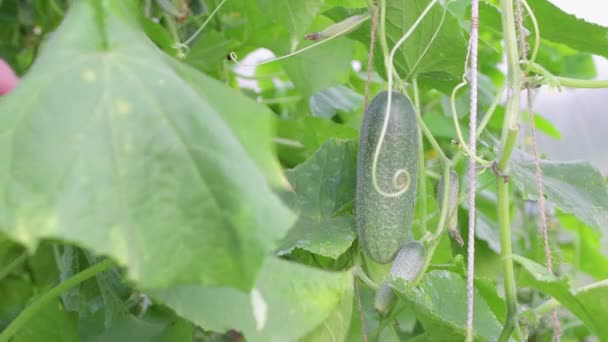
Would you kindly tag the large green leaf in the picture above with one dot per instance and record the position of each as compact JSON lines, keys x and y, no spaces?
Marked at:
{"x":109,"y":145}
{"x":561,"y":27}
{"x":439,"y":301}
{"x":556,"y":26}
{"x":575,"y":187}
{"x":436,"y":50}
{"x":434,"y":53}
{"x":288,"y":302}
{"x":541,"y":279}
{"x":323,"y":185}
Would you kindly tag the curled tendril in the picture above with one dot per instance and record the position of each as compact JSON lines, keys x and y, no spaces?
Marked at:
{"x":399,"y":172}
{"x":232,"y":56}
{"x":536,"y":31}
{"x":399,"y":183}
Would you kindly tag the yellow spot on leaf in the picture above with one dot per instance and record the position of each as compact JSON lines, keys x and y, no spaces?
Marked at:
{"x":89,"y":75}
{"x":123,"y":107}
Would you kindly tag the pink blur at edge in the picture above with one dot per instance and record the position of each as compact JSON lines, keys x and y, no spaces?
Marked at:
{"x":8,"y":78}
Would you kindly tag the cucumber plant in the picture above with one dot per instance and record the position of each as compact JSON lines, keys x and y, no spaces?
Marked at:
{"x":179,"y":194}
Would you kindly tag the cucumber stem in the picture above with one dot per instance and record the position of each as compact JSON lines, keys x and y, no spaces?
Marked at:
{"x":421,"y":161}
{"x":509,"y":138}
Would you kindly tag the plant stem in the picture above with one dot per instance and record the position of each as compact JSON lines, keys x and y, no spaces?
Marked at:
{"x":509,"y":138}
{"x":576,"y":83}
{"x":505,"y":253}
{"x":565,"y":81}
{"x":421,"y":161}
{"x":44,"y":300}
{"x":441,"y":227}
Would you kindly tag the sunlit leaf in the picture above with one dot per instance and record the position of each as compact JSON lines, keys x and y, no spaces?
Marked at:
{"x":154,"y":164}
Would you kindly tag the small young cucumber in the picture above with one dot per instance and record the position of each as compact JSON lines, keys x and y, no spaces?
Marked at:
{"x":452,"y":205}
{"x":384,"y":223}
{"x":407,"y":266}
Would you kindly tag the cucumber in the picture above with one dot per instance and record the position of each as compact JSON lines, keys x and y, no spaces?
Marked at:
{"x":384,"y":223}
{"x":407,"y":266}
{"x":452,"y":205}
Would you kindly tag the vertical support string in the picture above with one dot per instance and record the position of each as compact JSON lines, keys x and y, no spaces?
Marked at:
{"x":473,"y":43}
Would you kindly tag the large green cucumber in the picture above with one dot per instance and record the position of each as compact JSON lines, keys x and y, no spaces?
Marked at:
{"x":384,"y":223}
{"x":407,"y":266}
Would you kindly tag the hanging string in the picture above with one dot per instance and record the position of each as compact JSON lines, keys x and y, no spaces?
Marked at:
{"x":473,"y":43}
{"x":538,"y":171}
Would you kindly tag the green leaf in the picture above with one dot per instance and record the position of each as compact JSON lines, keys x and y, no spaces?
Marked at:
{"x":585,"y":251}
{"x":15,"y":293}
{"x":155,"y":165}
{"x":209,"y":52}
{"x":485,"y":286}
{"x":288,"y":302}
{"x":595,"y":300}
{"x":345,"y":3}
{"x":327,"y":102}
{"x":323,"y":185}
{"x":295,"y":15}
{"x":329,"y":237}
{"x":130,"y":328}
{"x":487,"y":231}
{"x":556,"y":26}
{"x":436,"y":59}
{"x":179,"y":331}
{"x":300,"y":138}
{"x":98,"y":301}
{"x":246,"y":23}
{"x":575,"y":187}
{"x":564,"y":61}
{"x":561,"y":27}
{"x":323,"y":66}
{"x":10,"y":256}
{"x":439,"y":301}
{"x":541,"y":279}
{"x":51,"y":323}
{"x":335,"y":327}
{"x":437,"y":62}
